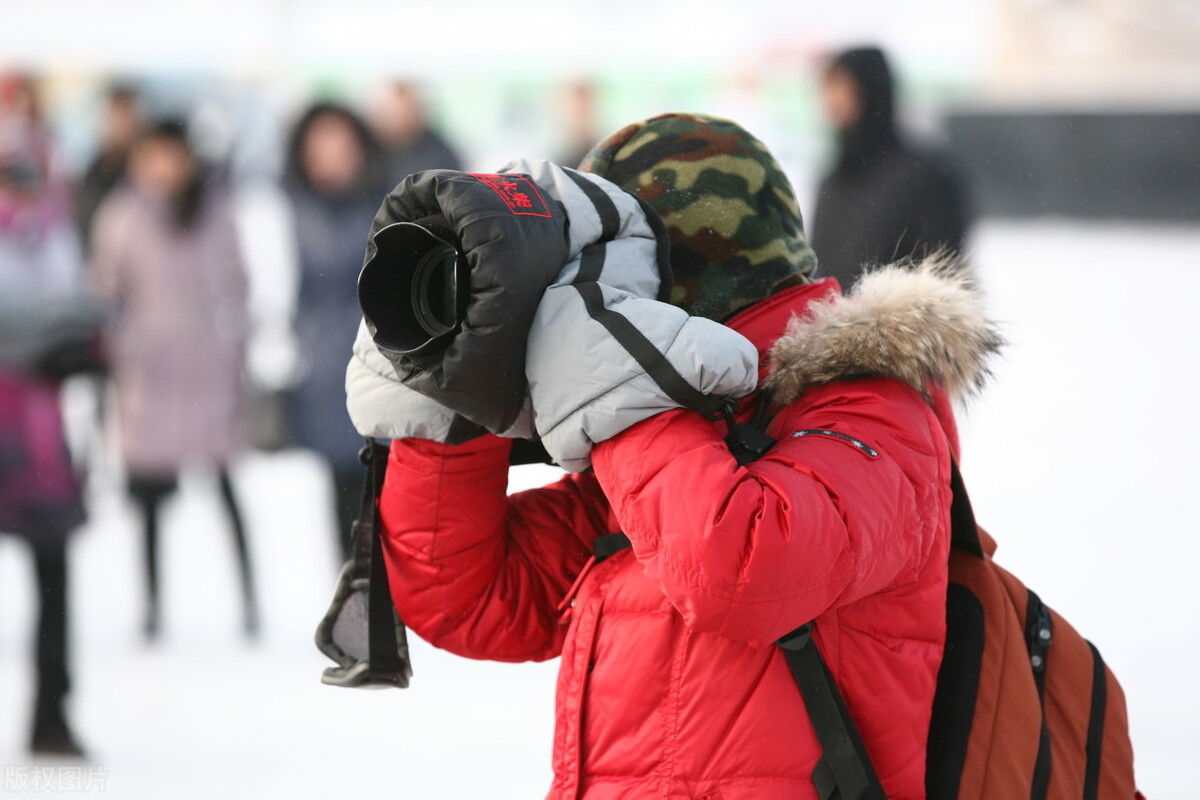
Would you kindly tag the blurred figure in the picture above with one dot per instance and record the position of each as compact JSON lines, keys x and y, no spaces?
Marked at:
{"x":121,"y":124}
{"x":882,"y":202}
{"x":579,"y":112}
{"x":39,"y":493}
{"x":408,"y":141}
{"x":165,"y":255}
{"x":334,"y":195}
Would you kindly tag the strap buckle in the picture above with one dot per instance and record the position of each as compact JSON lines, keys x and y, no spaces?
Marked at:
{"x":798,"y":639}
{"x":747,"y":442}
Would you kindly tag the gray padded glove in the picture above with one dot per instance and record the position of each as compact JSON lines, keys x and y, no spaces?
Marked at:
{"x":382,"y":407}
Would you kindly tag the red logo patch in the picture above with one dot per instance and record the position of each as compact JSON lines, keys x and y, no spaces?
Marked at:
{"x":519,"y":193}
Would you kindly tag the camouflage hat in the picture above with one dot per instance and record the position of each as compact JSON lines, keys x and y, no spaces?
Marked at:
{"x":736,"y":232}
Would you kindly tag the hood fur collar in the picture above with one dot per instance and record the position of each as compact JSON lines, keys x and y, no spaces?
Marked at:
{"x":920,"y":324}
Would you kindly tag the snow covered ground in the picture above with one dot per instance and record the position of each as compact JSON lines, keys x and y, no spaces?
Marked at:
{"x":1080,"y":458}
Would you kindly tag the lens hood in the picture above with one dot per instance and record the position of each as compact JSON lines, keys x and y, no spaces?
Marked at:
{"x":414,"y":289}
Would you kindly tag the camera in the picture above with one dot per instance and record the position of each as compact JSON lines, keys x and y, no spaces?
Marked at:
{"x":414,"y":289}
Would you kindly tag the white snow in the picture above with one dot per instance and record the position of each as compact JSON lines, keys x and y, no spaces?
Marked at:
{"x":1080,"y":458}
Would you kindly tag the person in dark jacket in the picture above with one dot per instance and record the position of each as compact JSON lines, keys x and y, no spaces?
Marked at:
{"x":883,"y":201}
{"x":334,"y":189}
{"x":120,"y":126}
{"x":407,"y":139}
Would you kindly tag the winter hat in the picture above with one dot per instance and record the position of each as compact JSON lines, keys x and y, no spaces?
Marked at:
{"x":735,"y":226}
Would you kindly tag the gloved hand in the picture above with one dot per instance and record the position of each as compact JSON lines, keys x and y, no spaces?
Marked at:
{"x":587,"y":388}
{"x":382,"y":407}
{"x":605,"y":352}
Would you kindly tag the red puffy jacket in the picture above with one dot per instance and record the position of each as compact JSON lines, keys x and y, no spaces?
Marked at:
{"x":670,"y":686}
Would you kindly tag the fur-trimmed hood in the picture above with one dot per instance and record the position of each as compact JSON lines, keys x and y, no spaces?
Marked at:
{"x":922,"y":324}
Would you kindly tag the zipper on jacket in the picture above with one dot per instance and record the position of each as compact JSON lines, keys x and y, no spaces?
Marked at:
{"x":568,"y":602}
{"x":862,"y":447}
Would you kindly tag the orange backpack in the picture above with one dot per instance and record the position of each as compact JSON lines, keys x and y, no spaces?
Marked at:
{"x":1025,"y":706}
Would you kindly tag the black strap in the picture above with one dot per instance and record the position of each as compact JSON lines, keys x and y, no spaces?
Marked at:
{"x":964,"y":533}
{"x":383,"y":650}
{"x":662,"y":255}
{"x":641,"y":349}
{"x":609,"y":544}
{"x":1095,"y":733}
{"x":610,"y":224}
{"x":748,"y":441}
{"x":1038,"y":637}
{"x":844,"y":771}
{"x":591,"y":262}
{"x":649,"y":357}
{"x":606,"y":209}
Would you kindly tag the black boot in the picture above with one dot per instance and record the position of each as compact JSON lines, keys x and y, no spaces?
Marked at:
{"x":250,"y":621}
{"x":151,"y":627}
{"x":52,"y":736}
{"x":149,"y":492}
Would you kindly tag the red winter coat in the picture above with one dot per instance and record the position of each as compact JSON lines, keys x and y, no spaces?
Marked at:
{"x":670,"y":685}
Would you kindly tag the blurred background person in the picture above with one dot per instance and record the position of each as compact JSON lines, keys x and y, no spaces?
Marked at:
{"x":579,"y":120}
{"x":407,"y":138}
{"x":121,"y":124}
{"x":165,"y":255}
{"x":882,"y":201}
{"x":1080,"y":161}
{"x":335,"y":189}
{"x":40,"y":499}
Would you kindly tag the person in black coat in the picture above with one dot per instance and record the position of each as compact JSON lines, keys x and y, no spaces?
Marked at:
{"x":882,"y":202}
{"x":335,"y":184}
{"x":407,"y":140}
{"x":121,"y":126}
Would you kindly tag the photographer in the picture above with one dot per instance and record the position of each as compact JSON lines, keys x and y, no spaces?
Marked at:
{"x":670,"y":685}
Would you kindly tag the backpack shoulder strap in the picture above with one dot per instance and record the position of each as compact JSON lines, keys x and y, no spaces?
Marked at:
{"x":964,"y":533}
{"x":844,"y":771}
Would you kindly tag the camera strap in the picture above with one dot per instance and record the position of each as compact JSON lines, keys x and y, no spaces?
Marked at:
{"x":360,"y":631}
{"x":382,"y":646}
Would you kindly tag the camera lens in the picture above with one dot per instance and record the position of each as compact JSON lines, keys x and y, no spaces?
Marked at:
{"x":413,"y":290}
{"x":433,"y":296}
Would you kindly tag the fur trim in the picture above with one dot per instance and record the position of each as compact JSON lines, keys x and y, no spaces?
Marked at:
{"x":921,"y":324}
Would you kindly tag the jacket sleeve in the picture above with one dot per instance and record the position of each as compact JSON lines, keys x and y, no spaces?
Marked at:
{"x":752,"y":552}
{"x":472,"y":570}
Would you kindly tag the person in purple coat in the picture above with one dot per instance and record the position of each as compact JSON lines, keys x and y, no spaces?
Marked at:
{"x":40,"y":498}
{"x":165,"y":256}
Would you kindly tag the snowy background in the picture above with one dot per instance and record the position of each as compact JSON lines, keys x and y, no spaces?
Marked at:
{"x":1080,"y":458}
